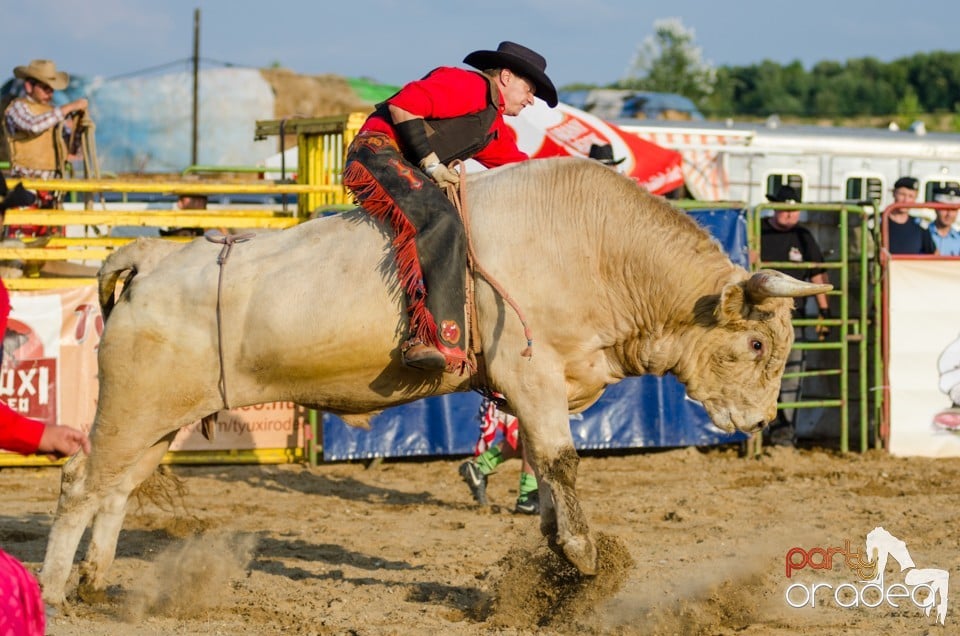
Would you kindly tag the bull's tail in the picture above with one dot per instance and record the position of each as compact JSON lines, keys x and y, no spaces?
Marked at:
{"x":108,"y":277}
{"x":139,"y":257}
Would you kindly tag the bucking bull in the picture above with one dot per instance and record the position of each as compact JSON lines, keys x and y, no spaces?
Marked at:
{"x":613,"y":282}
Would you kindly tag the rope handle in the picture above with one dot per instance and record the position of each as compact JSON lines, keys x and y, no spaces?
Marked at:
{"x":228,"y":241}
{"x":459,"y":200}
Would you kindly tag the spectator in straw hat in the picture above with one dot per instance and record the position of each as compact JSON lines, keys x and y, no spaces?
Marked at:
{"x":34,"y":126}
{"x":399,"y":165}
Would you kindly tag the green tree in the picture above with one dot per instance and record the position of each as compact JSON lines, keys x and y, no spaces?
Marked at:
{"x":908,"y":108}
{"x":669,"y":62}
{"x":721,"y":102}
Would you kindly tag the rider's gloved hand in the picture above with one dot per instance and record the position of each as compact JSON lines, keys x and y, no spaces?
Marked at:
{"x":441,"y":174}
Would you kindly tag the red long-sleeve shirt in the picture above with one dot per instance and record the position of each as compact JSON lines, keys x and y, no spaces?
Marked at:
{"x":17,"y":432}
{"x":451,"y":92}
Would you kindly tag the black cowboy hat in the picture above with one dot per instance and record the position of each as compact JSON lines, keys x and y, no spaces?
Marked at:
{"x":604,"y":154}
{"x":17,"y":198}
{"x":784,"y":194}
{"x":521,"y":60}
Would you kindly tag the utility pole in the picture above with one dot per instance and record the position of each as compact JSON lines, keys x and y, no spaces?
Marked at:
{"x":196,"y":85}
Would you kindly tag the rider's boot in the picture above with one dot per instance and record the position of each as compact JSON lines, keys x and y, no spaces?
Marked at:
{"x":418,"y":355}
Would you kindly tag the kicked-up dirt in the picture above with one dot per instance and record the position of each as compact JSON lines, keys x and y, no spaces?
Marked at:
{"x":691,"y":541}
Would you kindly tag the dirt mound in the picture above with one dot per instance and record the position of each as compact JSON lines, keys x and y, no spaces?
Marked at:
{"x":539,"y":589}
{"x":312,"y":96}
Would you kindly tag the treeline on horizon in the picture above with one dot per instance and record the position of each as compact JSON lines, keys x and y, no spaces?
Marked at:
{"x":922,"y":83}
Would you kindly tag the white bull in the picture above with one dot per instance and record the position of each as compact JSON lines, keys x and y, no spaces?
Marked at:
{"x":613,"y":282}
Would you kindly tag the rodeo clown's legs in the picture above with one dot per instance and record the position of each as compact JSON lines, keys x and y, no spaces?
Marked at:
{"x":490,"y":456}
{"x":430,"y":246}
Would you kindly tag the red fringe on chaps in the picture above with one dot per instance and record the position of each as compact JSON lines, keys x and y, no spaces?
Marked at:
{"x":381,"y":206}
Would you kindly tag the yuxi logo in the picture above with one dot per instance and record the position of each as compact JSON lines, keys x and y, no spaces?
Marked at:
{"x":926,"y":588}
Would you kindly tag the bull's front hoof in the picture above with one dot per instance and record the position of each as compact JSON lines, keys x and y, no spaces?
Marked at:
{"x":582,"y":553}
{"x":51,"y":599}
{"x":52,"y":594}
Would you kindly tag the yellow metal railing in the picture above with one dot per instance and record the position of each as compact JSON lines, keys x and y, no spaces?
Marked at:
{"x":321,"y":150}
{"x":97,"y":247}
{"x":167,"y":187}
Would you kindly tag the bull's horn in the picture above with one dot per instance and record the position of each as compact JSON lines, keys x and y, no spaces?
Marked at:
{"x":768,"y":283}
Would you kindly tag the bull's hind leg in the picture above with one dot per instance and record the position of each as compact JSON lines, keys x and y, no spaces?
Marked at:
{"x":74,"y":510}
{"x":109,"y":518}
{"x":545,"y":426}
{"x":113,"y":464}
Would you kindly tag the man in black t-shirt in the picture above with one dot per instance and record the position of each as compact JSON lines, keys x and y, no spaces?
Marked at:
{"x":784,"y":240}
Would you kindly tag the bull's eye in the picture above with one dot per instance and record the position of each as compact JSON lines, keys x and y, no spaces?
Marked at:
{"x":756,"y":345}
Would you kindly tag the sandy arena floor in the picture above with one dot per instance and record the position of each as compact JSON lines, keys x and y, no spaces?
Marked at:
{"x":692,"y":542}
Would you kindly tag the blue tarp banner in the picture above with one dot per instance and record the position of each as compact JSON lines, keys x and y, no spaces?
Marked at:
{"x":646,"y":412}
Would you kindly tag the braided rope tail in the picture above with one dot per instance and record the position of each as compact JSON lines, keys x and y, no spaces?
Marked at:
{"x":460,"y":201}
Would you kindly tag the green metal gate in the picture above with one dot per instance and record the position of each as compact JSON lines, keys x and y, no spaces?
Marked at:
{"x":852,"y":347}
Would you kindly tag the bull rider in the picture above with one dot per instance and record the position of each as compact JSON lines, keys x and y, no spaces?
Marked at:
{"x":397,"y":168}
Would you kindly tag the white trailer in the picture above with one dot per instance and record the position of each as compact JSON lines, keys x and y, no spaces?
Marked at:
{"x":726,"y":161}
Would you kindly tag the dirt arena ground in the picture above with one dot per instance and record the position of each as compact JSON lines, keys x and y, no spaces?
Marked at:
{"x":692,"y":542}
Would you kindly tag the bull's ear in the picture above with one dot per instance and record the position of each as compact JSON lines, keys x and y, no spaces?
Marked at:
{"x":731,"y":305}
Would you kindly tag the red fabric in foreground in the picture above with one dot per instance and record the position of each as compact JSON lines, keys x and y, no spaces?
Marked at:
{"x":21,"y":607}
{"x":18,"y":433}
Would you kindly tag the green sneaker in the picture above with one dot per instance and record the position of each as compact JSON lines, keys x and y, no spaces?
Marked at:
{"x":528,"y":505}
{"x":476,"y":480}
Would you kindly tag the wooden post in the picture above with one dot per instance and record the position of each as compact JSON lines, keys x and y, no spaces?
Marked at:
{"x":196,"y":85}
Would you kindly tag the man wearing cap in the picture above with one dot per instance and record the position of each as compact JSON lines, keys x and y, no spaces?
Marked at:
{"x":398,"y":165}
{"x":784,"y":240}
{"x":904,"y":234}
{"x":33,"y":125}
{"x":945,"y":236}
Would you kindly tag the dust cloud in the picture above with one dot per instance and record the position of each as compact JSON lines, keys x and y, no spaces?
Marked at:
{"x":190,"y":577}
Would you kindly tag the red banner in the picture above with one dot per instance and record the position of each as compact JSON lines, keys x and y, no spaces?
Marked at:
{"x":30,"y":388}
{"x":568,"y":131}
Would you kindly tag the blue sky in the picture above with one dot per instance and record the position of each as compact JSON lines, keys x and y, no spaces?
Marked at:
{"x":393,"y":41}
